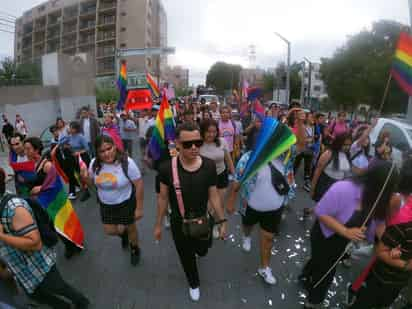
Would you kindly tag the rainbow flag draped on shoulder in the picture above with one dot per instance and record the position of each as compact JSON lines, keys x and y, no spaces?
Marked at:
{"x":402,"y":63}
{"x":152,"y":85}
{"x":163,"y":131}
{"x":53,"y":198}
{"x":24,"y":173}
{"x":122,"y":85}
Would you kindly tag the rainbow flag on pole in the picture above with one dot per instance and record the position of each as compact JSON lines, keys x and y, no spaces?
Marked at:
{"x":152,"y":85}
{"x":122,"y":85}
{"x":53,"y":198}
{"x":163,"y":131}
{"x":402,"y":63}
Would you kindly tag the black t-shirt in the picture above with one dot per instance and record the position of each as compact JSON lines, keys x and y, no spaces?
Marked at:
{"x":195,"y":187}
{"x":395,"y":235}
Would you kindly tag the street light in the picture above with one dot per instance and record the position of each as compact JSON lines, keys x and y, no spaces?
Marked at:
{"x":288,"y":67}
{"x":309,"y":81}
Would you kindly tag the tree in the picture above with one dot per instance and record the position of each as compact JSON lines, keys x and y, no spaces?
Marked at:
{"x":278,"y":80}
{"x":105,"y":95}
{"x":26,"y":73}
{"x":223,"y":76}
{"x":358,"y":71}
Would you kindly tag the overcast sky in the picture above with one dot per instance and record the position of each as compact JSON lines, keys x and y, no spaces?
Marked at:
{"x":205,"y":31}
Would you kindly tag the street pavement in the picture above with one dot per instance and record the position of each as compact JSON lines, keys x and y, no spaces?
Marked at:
{"x":228,"y":275}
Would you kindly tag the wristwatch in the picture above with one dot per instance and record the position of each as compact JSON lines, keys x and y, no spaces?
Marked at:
{"x":220,"y":221}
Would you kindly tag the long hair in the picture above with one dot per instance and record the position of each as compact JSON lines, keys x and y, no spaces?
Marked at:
{"x":337,"y":146}
{"x":205,"y":125}
{"x":105,"y":139}
{"x":359,"y":133}
{"x":372,"y":183}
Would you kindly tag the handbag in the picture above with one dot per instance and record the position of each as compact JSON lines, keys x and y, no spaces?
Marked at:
{"x":196,"y":227}
{"x":279,"y":183}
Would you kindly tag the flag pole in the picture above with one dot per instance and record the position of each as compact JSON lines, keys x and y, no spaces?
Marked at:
{"x":385,"y":94}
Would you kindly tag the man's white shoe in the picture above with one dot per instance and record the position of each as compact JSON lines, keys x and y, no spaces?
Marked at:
{"x":216,"y":232}
{"x":194,"y":294}
{"x":266,"y":274}
{"x":246,"y":243}
{"x":72,"y":196}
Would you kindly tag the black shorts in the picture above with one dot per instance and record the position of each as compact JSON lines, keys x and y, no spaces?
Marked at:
{"x":122,"y":213}
{"x":268,"y":220}
{"x":222,"y":180}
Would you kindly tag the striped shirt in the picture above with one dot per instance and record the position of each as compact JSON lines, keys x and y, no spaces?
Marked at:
{"x":29,"y":267}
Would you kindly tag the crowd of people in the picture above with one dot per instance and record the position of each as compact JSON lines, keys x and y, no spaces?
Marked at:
{"x":361,"y":196}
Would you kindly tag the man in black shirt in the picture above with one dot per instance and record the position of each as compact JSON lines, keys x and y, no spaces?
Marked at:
{"x":197,"y":176}
{"x":7,"y":129}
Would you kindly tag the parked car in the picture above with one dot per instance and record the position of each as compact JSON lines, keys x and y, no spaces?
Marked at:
{"x":209,"y":98}
{"x":46,"y":138}
{"x":400,"y":131}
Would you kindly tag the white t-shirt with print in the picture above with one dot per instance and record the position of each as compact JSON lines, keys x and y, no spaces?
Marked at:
{"x":113,"y":187}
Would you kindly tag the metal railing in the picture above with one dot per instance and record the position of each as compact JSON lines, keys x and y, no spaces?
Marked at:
{"x":107,"y":20}
{"x":106,"y":36}
{"x":107,"y":5}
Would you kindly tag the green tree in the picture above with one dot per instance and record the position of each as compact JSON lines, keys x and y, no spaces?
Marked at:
{"x":279,"y":79}
{"x":223,"y":76}
{"x":26,"y":73}
{"x":105,"y":95}
{"x":358,"y":71}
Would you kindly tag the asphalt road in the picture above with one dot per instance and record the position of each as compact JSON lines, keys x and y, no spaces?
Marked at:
{"x":228,"y":275}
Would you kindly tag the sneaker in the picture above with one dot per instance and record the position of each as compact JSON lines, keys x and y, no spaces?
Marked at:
{"x":307,"y":186}
{"x":85,"y":196}
{"x":167,"y":221}
{"x":350,"y":296}
{"x":135,"y":255}
{"x":72,"y":196}
{"x":78,"y":189}
{"x":266,"y":274}
{"x":246,"y":243}
{"x":194,"y":294}
{"x":125,"y":239}
{"x":216,"y":232}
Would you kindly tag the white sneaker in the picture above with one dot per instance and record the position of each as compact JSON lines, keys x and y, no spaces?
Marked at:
{"x":266,"y":274}
{"x":246,"y":243}
{"x":194,"y":294}
{"x":78,"y":189}
{"x":72,"y":196}
{"x":216,"y":232}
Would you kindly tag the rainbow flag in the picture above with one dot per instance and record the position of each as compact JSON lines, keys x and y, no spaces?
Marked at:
{"x":402,"y":63}
{"x":53,"y":198}
{"x":24,"y":172}
{"x":163,"y":131}
{"x":152,"y":85}
{"x":122,"y":85}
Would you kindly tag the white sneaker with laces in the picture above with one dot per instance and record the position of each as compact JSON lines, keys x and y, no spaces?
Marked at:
{"x":266,"y":274}
{"x":72,"y":196}
{"x":246,"y":243}
{"x":216,"y":232}
{"x":194,"y":294}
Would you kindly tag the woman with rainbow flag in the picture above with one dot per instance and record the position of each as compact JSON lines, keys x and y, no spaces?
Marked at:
{"x":48,"y":188}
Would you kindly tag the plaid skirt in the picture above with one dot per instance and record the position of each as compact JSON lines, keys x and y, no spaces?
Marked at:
{"x":122,"y":213}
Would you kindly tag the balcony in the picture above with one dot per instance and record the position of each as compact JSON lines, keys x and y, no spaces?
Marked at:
{"x":107,"y":21}
{"x":87,"y":40}
{"x":89,"y":11}
{"x":39,"y":41}
{"x":69,"y":44}
{"x":69,"y":30}
{"x":53,"y":36}
{"x":106,"y":36}
{"x":107,"y":6}
{"x":53,"y":23}
{"x":105,"y":68}
{"x":52,"y":48}
{"x":105,"y":52}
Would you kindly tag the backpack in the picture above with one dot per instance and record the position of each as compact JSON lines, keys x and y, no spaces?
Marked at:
{"x":48,"y":233}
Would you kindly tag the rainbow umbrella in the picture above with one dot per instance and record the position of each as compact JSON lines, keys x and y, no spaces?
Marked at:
{"x":274,"y":139}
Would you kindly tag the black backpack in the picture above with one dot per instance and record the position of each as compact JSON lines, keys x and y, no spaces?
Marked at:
{"x":48,"y":233}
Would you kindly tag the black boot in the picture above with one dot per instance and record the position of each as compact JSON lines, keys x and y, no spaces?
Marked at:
{"x":85,"y":195}
{"x":134,"y":255}
{"x":125,"y":239}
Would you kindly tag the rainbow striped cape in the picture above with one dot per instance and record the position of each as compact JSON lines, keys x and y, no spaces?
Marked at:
{"x":163,"y":131}
{"x":122,"y":86}
{"x":53,"y":198}
{"x":402,"y":63}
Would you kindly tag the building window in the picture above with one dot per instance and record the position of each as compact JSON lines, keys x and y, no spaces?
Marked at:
{"x":123,"y":29}
{"x":123,"y":45}
{"x":123,"y":14}
{"x":317,"y":88}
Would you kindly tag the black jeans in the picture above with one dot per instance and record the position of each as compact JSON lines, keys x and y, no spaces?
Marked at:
{"x":376,"y":294}
{"x":128,"y":146}
{"x":55,"y":292}
{"x":321,"y":261}
{"x":187,"y":248}
{"x":307,"y":157}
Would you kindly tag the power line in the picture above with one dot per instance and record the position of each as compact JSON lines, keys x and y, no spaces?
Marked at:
{"x":7,"y":20}
{"x":7,"y":25}
{"x":8,"y":14}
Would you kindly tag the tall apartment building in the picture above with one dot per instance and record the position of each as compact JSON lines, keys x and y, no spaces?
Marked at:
{"x":94,"y":26}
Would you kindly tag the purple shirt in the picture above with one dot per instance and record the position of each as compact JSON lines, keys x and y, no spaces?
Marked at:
{"x":340,"y":202}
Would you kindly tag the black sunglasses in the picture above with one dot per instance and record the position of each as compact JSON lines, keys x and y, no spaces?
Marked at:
{"x":189,"y":144}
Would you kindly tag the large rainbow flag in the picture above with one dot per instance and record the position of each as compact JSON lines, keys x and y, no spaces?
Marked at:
{"x":163,"y":131}
{"x":53,"y":199}
{"x":402,"y":63}
{"x":24,"y":173}
{"x":152,"y":85}
{"x":122,"y":85}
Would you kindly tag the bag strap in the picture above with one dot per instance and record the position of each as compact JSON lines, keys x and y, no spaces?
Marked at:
{"x":178,"y":189}
{"x":124,"y":162}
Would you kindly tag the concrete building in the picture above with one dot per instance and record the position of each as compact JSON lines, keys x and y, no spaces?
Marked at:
{"x":317,"y":88}
{"x":177,"y":76}
{"x":98,"y":27}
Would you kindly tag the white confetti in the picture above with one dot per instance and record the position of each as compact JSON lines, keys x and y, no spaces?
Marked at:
{"x":292,"y":255}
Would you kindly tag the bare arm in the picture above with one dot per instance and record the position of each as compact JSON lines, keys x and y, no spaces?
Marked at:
{"x":355,"y":234}
{"x":215,"y":201}
{"x":138,"y":184}
{"x":162,"y":203}
{"x":229,"y":163}
{"x":231,"y":200}
{"x":322,"y":163}
{"x":384,"y":254}
{"x":30,"y":241}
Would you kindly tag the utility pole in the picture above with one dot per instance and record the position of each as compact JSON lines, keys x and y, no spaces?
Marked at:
{"x":309,"y":82}
{"x":409,"y":112}
{"x":287,"y":68}
{"x":302,"y":86}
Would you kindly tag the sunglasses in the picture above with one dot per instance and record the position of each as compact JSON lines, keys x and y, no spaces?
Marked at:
{"x":189,"y":144}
